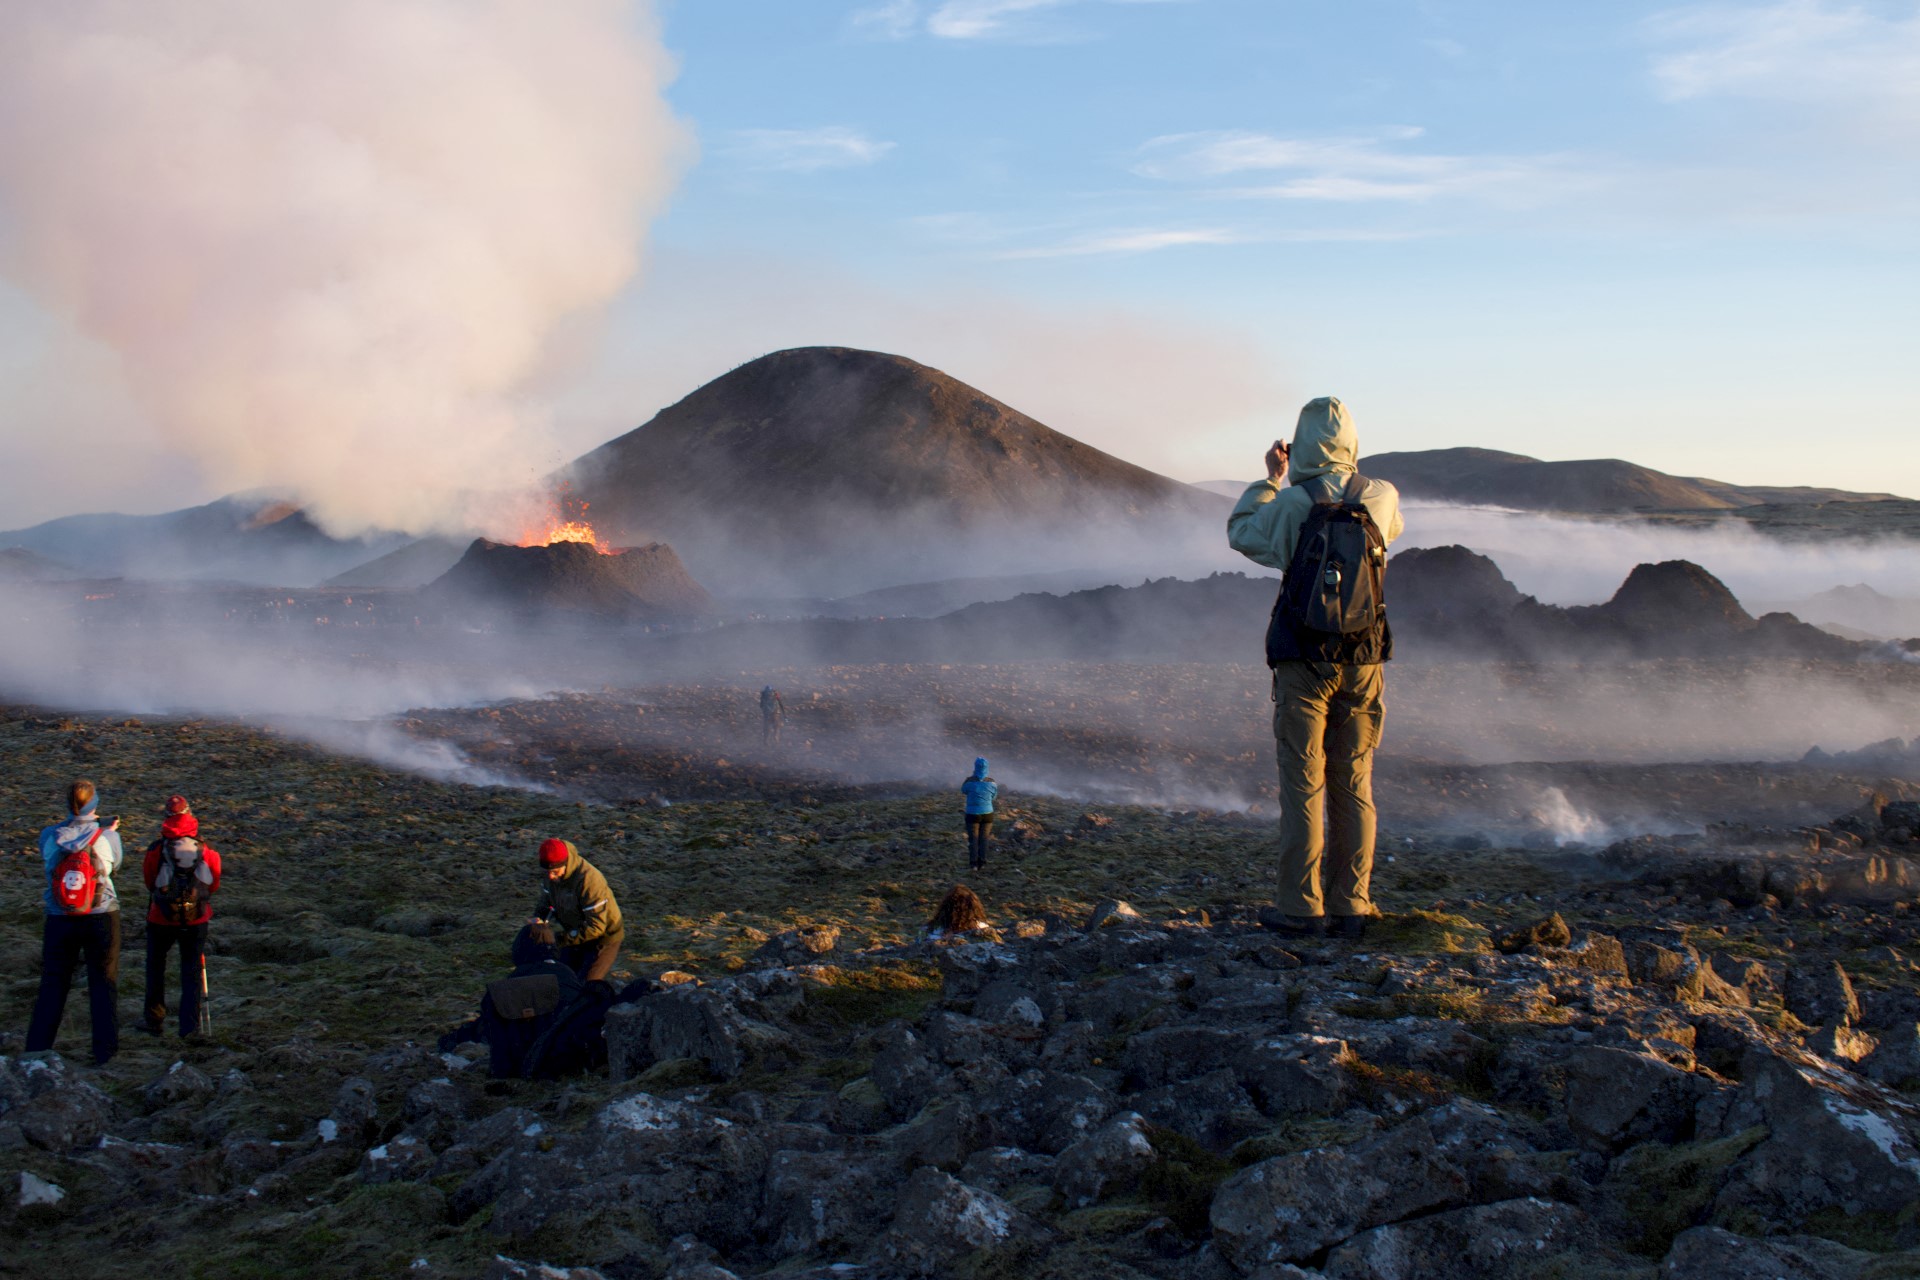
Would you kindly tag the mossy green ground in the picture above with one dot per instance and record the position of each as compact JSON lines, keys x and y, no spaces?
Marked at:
{"x":363,"y":907}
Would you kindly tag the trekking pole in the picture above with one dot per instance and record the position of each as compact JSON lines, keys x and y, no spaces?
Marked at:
{"x":206,"y":1000}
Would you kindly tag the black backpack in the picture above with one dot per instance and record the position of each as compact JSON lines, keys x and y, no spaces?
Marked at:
{"x":183,"y":884}
{"x":1334,"y":595}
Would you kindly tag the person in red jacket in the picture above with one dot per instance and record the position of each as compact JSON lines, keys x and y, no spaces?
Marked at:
{"x":182,"y":874}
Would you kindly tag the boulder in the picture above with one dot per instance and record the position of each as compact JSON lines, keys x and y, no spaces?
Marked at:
{"x":942,"y":1136}
{"x":825,"y":1201}
{"x":47,"y":1105}
{"x":1820,"y":994}
{"x":1896,"y":1059}
{"x":404,"y":1158}
{"x":904,"y":1071}
{"x":354,"y":1111}
{"x":1615,"y":1098}
{"x":1710,"y":1253}
{"x":686,"y":1022}
{"x":1551,"y":932}
{"x":1289,"y":1208}
{"x":804,"y":945}
{"x":178,"y":1083}
{"x":1836,"y":1141}
{"x":1045,"y":1111}
{"x":1512,"y":1238}
{"x":1212,"y":1109}
{"x":940,"y":1221}
{"x":1171,"y":1054}
{"x":1295,"y":1075}
{"x":1108,"y":1161}
{"x":1000,"y":1169}
{"x":1112,"y":911}
{"x":504,"y":1268}
{"x":35,"y":1189}
{"x":479,"y":1142}
{"x":684,"y":1168}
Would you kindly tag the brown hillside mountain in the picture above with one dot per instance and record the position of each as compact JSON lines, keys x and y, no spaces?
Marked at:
{"x":832,"y":469}
{"x":1599,"y":485}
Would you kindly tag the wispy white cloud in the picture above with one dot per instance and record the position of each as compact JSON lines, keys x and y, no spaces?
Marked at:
{"x":1360,"y":168}
{"x":805,"y":150}
{"x":1846,"y":56}
{"x":1000,"y":240}
{"x":970,"y":19}
{"x":1128,"y":241}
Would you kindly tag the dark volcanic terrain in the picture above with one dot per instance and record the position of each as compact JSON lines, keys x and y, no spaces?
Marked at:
{"x":1665,"y":1057}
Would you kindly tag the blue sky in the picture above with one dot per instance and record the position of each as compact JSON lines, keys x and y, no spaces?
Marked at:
{"x":1687,"y":235}
{"x":1680,"y":234}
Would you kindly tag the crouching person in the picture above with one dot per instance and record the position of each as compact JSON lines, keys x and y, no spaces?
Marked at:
{"x":182,"y":872}
{"x":577,"y":912}
{"x":541,"y":1021}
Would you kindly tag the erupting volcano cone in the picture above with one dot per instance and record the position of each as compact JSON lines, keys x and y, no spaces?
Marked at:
{"x":628,"y":583}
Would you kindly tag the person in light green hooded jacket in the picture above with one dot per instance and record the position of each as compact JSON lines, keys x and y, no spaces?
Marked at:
{"x":1327,"y":689}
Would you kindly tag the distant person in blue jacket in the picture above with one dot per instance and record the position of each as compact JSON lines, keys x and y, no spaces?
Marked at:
{"x":980,"y":791}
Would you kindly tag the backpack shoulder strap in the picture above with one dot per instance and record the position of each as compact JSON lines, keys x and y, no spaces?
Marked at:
{"x":1356,"y":485}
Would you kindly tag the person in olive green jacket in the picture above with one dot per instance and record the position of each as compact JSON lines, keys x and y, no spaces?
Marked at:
{"x":577,"y":913}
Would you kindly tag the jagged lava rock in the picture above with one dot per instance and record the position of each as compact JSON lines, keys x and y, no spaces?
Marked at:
{"x":569,"y":578}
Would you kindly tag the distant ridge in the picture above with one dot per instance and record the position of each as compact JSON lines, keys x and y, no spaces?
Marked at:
{"x":253,"y":538}
{"x":831,"y":470}
{"x":1594,"y":486}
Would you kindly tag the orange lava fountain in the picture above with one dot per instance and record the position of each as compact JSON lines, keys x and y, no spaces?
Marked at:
{"x":567,"y":523}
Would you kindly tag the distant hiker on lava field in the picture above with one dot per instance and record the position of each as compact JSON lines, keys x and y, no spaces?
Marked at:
{"x":1327,"y":527}
{"x":577,"y":912}
{"x":980,"y":792}
{"x":773,"y":715}
{"x":182,"y":873}
{"x":79,"y":856}
{"x":521,"y":1013}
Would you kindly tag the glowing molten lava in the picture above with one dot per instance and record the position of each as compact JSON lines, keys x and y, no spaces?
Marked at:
{"x":565,"y":523}
{"x":575,"y":531}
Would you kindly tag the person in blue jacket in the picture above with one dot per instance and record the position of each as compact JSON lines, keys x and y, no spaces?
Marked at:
{"x":980,"y":791}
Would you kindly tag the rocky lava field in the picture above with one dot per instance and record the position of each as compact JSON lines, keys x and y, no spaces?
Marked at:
{"x":1575,"y":1044}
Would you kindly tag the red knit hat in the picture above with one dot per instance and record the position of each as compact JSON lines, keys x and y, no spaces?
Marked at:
{"x":554,"y":853}
{"x":179,"y":822}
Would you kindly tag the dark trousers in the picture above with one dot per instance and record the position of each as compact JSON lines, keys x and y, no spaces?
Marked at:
{"x":67,"y":941}
{"x":979,"y":835}
{"x":192,"y":941}
{"x":593,"y":961}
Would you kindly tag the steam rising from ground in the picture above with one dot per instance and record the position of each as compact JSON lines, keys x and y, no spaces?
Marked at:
{"x":329,"y":242}
{"x":1567,"y":560}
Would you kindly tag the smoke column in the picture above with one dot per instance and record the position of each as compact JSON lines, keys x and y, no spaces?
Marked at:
{"x":329,"y":240}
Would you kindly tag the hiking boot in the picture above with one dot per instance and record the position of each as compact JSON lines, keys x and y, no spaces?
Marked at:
{"x":149,"y":1028}
{"x":1292,"y":926}
{"x":1349,"y":928}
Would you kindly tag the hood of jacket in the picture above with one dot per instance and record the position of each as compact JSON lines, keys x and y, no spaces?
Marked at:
{"x":75,"y":833}
{"x":980,"y":766}
{"x":1324,"y":443}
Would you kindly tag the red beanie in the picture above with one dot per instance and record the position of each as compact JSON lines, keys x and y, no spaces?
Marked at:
{"x":177,"y":804}
{"x":554,"y":853}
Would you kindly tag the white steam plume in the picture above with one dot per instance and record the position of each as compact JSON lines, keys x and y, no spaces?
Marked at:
{"x":329,"y":240}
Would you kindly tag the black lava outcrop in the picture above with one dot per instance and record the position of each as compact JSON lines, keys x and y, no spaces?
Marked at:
{"x":827,"y":469}
{"x":569,"y":579}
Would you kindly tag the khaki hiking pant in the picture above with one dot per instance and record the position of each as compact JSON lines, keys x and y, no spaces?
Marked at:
{"x":1326,"y":723}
